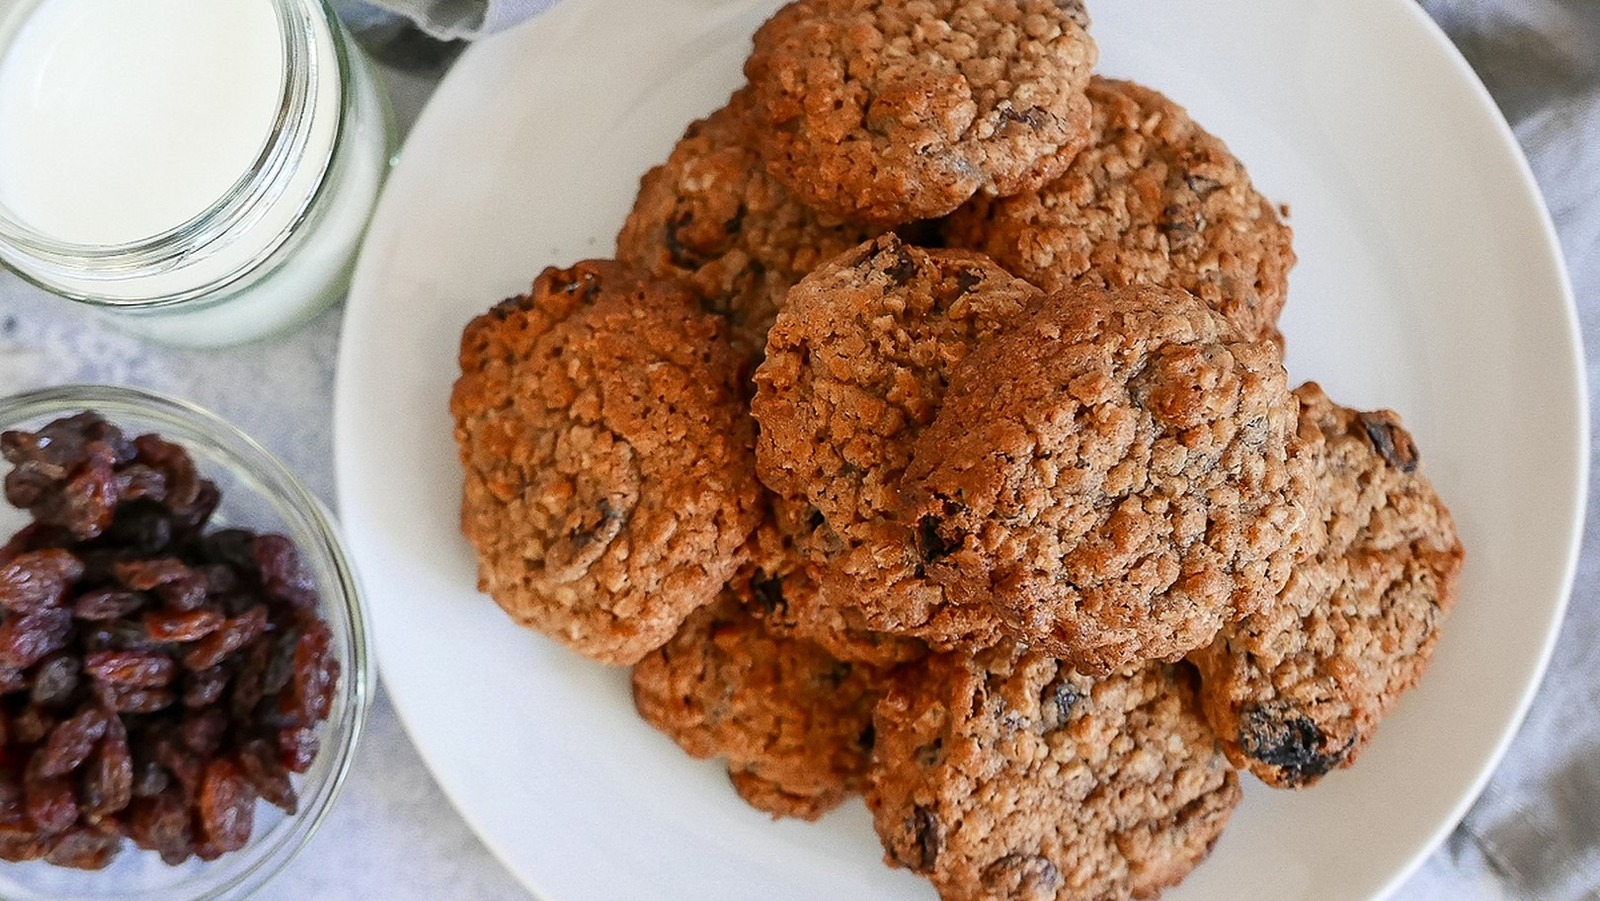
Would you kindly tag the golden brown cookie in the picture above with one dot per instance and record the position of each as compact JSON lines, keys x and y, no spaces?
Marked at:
{"x":609,"y":474}
{"x":1153,"y":200}
{"x":781,"y":588}
{"x":1008,"y":775}
{"x":1117,"y":473}
{"x":888,"y":112}
{"x":1298,"y":690}
{"x":712,"y":217}
{"x":794,"y":724}
{"x":856,"y":368}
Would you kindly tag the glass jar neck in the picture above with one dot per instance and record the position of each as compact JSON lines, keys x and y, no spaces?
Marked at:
{"x":181,"y":263}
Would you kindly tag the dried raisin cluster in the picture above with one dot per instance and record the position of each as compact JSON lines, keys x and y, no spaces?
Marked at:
{"x":155,"y":679}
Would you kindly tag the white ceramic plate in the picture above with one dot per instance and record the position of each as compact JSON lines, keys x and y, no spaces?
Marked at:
{"x":1429,"y":282}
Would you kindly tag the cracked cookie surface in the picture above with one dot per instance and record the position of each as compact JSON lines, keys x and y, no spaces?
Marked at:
{"x":1298,"y":690}
{"x":889,"y":112}
{"x":1008,"y":775}
{"x":1154,"y":199}
{"x":1118,"y":474}
{"x":609,"y":475}
{"x":713,"y":218}
{"x":794,"y":724}
{"x":856,"y":368}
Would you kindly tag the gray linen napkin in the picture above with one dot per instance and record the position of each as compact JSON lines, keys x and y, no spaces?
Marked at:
{"x":461,"y":19}
{"x":1536,"y":828}
{"x":1535,"y":832}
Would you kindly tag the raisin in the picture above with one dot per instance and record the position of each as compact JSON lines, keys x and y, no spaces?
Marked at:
{"x":249,"y":681}
{"x":186,"y":593}
{"x":119,"y":635}
{"x":32,"y":537}
{"x":21,"y":848}
{"x":904,"y":268}
{"x":142,"y":528}
{"x":930,"y":543}
{"x":162,"y":824}
{"x":71,"y":741}
{"x":144,"y":575}
{"x":227,"y":805}
{"x":282,"y":574}
{"x":139,"y":482}
{"x":149,"y":777}
{"x":231,"y":548}
{"x":310,"y":691}
{"x":55,"y":681}
{"x":104,"y":604}
{"x":188,"y":521}
{"x":1290,"y":742}
{"x":268,"y":775}
{"x":1075,"y":11}
{"x":52,"y":807}
{"x":129,"y":699}
{"x":183,"y":627}
{"x":138,"y":669}
{"x":297,"y":747}
{"x":31,"y":726}
{"x":769,"y":593}
{"x":203,"y":732}
{"x":85,"y":849}
{"x":1057,"y":701}
{"x":220,"y":580}
{"x":967,"y":280}
{"x":280,"y":667}
{"x":38,"y":579}
{"x":86,"y":505}
{"x":1392,"y":442}
{"x":235,"y":634}
{"x":176,"y":467}
{"x":27,"y":638}
{"x":106,"y":781}
{"x":1023,"y":876}
{"x":181,"y":763}
{"x":203,"y":688}
{"x":1201,"y":185}
{"x":929,"y":837}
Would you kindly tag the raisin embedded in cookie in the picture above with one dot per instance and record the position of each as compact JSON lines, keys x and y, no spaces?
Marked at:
{"x":712,"y":217}
{"x":1297,"y":690}
{"x":794,"y":724}
{"x":1117,"y":473}
{"x":783,"y":592}
{"x":1008,"y":775}
{"x":609,"y":468}
{"x":856,"y":368}
{"x":1153,"y":200}
{"x":888,"y":112}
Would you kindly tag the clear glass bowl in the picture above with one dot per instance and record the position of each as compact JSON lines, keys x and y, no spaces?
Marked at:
{"x":259,"y":493}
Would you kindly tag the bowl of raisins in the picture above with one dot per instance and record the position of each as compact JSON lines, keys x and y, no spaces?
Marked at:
{"x":184,"y":664}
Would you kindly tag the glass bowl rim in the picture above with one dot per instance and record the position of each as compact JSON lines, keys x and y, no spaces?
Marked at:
{"x":243,"y":452}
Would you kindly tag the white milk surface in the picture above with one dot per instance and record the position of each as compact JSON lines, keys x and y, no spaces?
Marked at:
{"x":124,"y":118}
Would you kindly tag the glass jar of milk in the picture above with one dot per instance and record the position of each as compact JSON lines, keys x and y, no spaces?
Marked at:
{"x":199,"y":170}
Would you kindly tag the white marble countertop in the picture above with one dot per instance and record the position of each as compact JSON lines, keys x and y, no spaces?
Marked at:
{"x":393,"y":834}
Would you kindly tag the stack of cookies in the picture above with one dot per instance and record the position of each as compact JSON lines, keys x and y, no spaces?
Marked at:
{"x":929,"y":439}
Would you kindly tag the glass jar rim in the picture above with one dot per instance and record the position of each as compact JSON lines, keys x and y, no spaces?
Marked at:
{"x":244,"y":202}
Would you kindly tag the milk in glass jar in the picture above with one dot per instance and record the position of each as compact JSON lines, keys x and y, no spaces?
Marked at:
{"x":199,"y":170}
